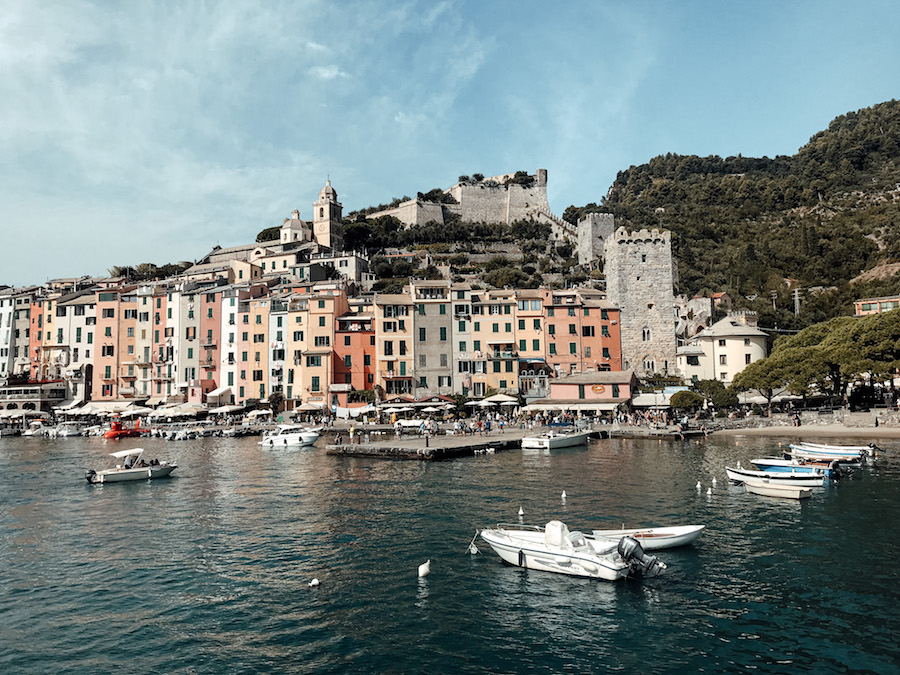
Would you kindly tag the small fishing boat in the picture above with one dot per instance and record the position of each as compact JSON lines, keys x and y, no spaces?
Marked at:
{"x":774,"y":490}
{"x":656,"y":538}
{"x":553,"y":548}
{"x":844,"y":453}
{"x":828,"y":468}
{"x":555,"y":439}
{"x":131,"y":468}
{"x":737,"y":475}
{"x":289,"y":434}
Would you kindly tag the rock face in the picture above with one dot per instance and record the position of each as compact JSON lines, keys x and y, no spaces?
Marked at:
{"x":639,"y":279}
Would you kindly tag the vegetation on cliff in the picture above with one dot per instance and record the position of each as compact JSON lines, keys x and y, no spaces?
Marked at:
{"x":759,"y":227}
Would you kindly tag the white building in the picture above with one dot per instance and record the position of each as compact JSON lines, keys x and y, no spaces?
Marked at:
{"x":721,"y":351}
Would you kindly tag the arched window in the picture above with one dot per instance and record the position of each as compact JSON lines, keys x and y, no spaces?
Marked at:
{"x":645,"y":335}
{"x":321,"y":212}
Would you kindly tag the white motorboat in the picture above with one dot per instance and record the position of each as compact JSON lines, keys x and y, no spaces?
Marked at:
{"x":555,"y":439}
{"x":777,"y":477}
{"x":289,"y":434}
{"x":774,"y":490}
{"x":133,"y":467}
{"x":37,"y":428}
{"x":655,"y":538}
{"x":66,"y":429}
{"x":852,"y":453}
{"x":554,"y":548}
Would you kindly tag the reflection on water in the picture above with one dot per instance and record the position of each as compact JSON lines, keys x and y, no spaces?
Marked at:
{"x":208,"y":571}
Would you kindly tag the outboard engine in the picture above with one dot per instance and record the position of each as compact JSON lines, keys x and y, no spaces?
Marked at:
{"x":89,"y":474}
{"x":633,"y":553}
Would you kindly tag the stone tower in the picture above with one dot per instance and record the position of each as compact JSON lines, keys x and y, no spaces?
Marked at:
{"x":327,"y":219}
{"x":639,"y":279}
{"x":592,"y":231}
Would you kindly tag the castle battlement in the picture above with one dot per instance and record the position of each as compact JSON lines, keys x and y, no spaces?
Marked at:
{"x":643,"y":236}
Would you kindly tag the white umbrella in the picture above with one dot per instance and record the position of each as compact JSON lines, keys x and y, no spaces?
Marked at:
{"x":500,"y":398}
{"x":258,"y":413}
{"x":134,"y":412}
{"x":485,"y":403}
{"x":474,"y":403}
{"x":431,"y":408}
{"x":510,"y":403}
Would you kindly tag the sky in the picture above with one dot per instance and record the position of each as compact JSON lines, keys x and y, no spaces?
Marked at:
{"x":151,"y":131}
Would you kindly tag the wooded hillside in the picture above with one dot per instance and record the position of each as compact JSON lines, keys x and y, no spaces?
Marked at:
{"x":741,"y":224}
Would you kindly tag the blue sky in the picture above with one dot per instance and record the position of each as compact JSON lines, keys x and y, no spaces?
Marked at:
{"x":151,"y":131}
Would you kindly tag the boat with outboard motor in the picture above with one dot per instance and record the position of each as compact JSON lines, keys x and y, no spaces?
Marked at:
{"x":739,"y":475}
{"x":852,"y":453}
{"x":553,"y":548}
{"x":131,"y":468}
{"x":828,"y":468}
{"x":655,"y":538}
{"x":555,"y":438}
{"x":290,"y":434}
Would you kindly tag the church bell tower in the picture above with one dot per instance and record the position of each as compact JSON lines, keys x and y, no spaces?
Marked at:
{"x":327,"y":219}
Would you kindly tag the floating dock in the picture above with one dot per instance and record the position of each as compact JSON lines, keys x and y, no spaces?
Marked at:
{"x":435,"y":448}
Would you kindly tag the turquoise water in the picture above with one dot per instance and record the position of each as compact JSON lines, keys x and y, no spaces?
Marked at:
{"x":207,"y":572}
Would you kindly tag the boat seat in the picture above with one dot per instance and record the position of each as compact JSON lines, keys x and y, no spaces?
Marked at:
{"x":576,"y":540}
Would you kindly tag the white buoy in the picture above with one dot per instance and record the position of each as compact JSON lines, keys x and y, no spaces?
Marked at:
{"x":709,"y":491}
{"x":425,"y":569}
{"x":521,"y":512}
{"x":313,"y":583}
{"x":714,"y":481}
{"x":563,"y":495}
{"x":698,"y":486}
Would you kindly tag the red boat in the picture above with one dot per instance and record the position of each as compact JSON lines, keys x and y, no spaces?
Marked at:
{"x":118,"y":430}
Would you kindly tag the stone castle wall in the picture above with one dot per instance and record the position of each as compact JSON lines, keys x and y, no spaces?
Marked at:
{"x":488,"y":201}
{"x":639,"y":279}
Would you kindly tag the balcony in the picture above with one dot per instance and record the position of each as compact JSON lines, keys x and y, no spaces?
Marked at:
{"x":208,"y":364}
{"x":499,"y":355}
{"x":208,"y":342}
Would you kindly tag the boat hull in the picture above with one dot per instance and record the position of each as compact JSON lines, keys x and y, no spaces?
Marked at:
{"x":655,"y":538}
{"x":776,"y":477}
{"x":780,"y":491}
{"x":551,"y":441}
{"x":287,"y":440}
{"x":125,"y":475}
{"x":522,"y":552}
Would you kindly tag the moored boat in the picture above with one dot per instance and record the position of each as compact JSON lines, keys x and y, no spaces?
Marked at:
{"x":133,"y":467}
{"x":555,"y":439}
{"x":656,"y":538}
{"x":774,"y":490}
{"x":289,"y":434}
{"x":855,"y":453}
{"x":737,"y":475}
{"x":554,"y":548}
{"x":119,"y":430}
{"x":828,"y":468}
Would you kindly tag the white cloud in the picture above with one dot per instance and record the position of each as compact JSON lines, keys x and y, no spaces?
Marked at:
{"x":328,"y":72}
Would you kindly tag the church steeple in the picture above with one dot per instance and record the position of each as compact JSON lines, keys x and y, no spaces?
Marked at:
{"x":327,"y":218}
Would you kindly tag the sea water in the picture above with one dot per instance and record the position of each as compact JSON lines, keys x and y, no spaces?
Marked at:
{"x":208,"y":571}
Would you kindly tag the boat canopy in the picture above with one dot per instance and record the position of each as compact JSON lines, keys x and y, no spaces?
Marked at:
{"x":121,"y":454}
{"x":556,"y":533}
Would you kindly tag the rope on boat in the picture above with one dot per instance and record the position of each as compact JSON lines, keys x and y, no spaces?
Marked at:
{"x":473,"y":549}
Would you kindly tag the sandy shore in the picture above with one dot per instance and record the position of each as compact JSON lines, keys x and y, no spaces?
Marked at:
{"x":814,"y":430}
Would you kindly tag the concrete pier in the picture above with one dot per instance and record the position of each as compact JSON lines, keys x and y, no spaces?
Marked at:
{"x":434,"y":448}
